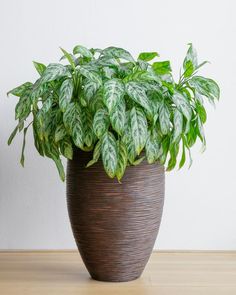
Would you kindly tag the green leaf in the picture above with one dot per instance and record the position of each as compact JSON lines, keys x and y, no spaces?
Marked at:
{"x":60,"y":132}
{"x":174,"y":150}
{"x":20,"y":90}
{"x":65,"y":95}
{"x":96,"y":153}
{"x":161,"y":67}
{"x":100,"y":122}
{"x":13,"y":134}
{"x":122,"y":160}
{"x":183,"y":157}
{"x":152,"y":147}
{"x":60,"y":167}
{"x":138,"y":123}
{"x":54,"y":71}
{"x":201,"y":112}
{"x":206,"y":87}
{"x":118,"y":117}
{"x":73,"y":122}
{"x":90,"y":75}
{"x":22,"y":159}
{"x":164,"y":118}
{"x":39,"y":67}
{"x":23,"y":107}
{"x":178,"y":126}
{"x":117,"y":52}
{"x":90,"y":89}
{"x":68,"y":57}
{"x":138,"y":94}
{"x":182,"y":104}
{"x":79,"y":49}
{"x":128,"y":140}
{"x":89,"y":135}
{"x":147,"y":56}
{"x":66,"y":149}
{"x":190,"y":62}
{"x":109,"y":154}
{"x":113,"y":93}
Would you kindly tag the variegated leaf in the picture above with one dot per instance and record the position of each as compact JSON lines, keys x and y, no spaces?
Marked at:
{"x":53,"y":72}
{"x":178,"y":125}
{"x":122,"y":160}
{"x":89,"y":135}
{"x":164,"y":118}
{"x":138,"y":94}
{"x":96,"y":153}
{"x":65,"y":95}
{"x":66,"y":149}
{"x":117,"y":52}
{"x":100,"y":122}
{"x":60,"y":132}
{"x":83,"y":51}
{"x":40,"y":68}
{"x":138,"y":124}
{"x":91,"y":75}
{"x":72,"y":118}
{"x":20,"y":90}
{"x":113,"y":92}
{"x":109,"y":154}
{"x":182,"y":104}
{"x":118,"y":117}
{"x":152,"y":147}
{"x":90,"y":89}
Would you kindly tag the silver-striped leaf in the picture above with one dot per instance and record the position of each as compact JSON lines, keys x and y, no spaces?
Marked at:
{"x":100,"y":122}
{"x":53,"y":72}
{"x":152,"y":147}
{"x":96,"y":153}
{"x":79,"y":49}
{"x":109,"y":154}
{"x":117,"y":52}
{"x":164,"y":118}
{"x":122,"y":160}
{"x":72,"y":118}
{"x":90,"y":74}
{"x":65,"y":95}
{"x":118,"y":117}
{"x":113,"y":92}
{"x":89,"y":135}
{"x":178,"y":125}
{"x":138,"y":124}
{"x":138,"y":94}
{"x":182,"y":104}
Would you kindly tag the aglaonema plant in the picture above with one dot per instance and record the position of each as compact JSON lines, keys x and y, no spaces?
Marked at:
{"x":122,"y":109}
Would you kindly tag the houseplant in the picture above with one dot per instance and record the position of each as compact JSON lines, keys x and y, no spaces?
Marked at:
{"x":104,"y":109}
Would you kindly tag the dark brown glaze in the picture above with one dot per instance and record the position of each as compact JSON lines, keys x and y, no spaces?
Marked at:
{"x":114,"y":225}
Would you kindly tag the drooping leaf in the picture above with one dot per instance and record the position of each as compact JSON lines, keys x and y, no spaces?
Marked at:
{"x":122,"y":160}
{"x":72,"y":118}
{"x":100,"y":122}
{"x":118,"y":117}
{"x":60,"y":132}
{"x":138,"y":124}
{"x":201,"y":112}
{"x":152,"y":147}
{"x":109,"y":154}
{"x":164,"y":118}
{"x":89,"y":135}
{"x":178,"y":125}
{"x":13,"y":134}
{"x":96,"y":153}
{"x":22,"y":159}
{"x":182,"y":104}
{"x":23,"y":107}
{"x":183,"y":157}
{"x":174,"y":150}
{"x":113,"y":93}
{"x":66,"y":149}
{"x":117,"y":52}
{"x":147,"y":56}
{"x":138,"y":94}
{"x":66,"y":91}
{"x":161,"y":67}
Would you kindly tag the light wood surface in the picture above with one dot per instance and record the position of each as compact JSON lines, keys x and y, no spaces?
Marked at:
{"x":167,"y":273}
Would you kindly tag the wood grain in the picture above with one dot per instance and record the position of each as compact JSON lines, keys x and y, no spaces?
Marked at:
{"x":171,"y":273}
{"x":115,"y":225}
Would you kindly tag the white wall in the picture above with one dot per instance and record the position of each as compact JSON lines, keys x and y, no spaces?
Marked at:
{"x":200,"y":207}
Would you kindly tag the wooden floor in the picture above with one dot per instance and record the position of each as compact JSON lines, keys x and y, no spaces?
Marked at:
{"x":168,"y":273}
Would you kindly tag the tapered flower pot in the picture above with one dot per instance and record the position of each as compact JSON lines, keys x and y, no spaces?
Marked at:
{"x":114,"y":225}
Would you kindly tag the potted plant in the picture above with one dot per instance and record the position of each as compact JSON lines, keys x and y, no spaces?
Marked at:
{"x":119,"y":122}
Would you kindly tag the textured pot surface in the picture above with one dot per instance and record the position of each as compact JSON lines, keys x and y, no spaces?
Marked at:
{"x":115,"y":225}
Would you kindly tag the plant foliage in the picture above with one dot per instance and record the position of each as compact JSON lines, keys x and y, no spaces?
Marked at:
{"x":122,"y":109}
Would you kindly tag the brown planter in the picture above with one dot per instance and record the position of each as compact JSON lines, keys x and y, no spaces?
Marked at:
{"x":114,"y":225}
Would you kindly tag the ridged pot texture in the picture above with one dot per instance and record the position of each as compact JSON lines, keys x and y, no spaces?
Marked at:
{"x":114,"y":225}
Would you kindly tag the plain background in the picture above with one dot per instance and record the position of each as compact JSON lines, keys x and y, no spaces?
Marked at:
{"x":200,"y":205}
